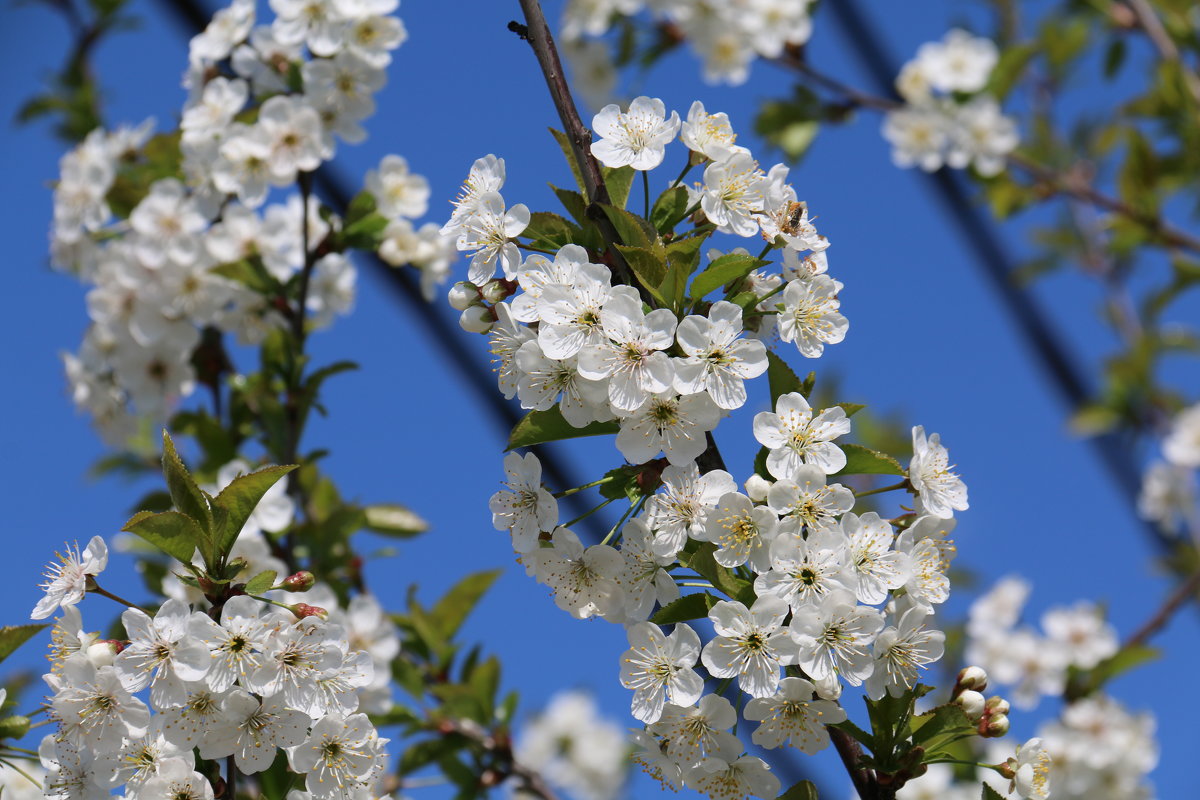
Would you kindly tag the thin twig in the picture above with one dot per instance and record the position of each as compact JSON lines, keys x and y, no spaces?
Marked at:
{"x":537,"y":33}
{"x":1065,"y":183}
{"x":1183,"y":592}
{"x":1148,"y":21}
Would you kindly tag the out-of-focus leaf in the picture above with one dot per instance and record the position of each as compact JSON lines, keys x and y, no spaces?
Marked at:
{"x":13,"y":636}
{"x":537,"y":427}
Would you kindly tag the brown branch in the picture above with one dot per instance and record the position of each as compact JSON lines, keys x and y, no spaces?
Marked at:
{"x":1182,"y":594}
{"x":1147,"y":19}
{"x":850,"y":753}
{"x":537,"y":33}
{"x":531,"y":780}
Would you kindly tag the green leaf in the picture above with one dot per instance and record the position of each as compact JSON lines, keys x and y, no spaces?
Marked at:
{"x":703,"y":563}
{"x":804,"y":790}
{"x":856,"y":733}
{"x":564,"y":144}
{"x":485,"y":682}
{"x":851,"y":408}
{"x":1114,"y":56}
{"x":726,"y":269}
{"x":633,"y":230}
{"x":449,"y":613}
{"x":360,"y":207}
{"x":275,"y":781}
{"x":14,"y":727}
{"x":1081,"y":683}
{"x":990,"y":794}
{"x":175,"y":533}
{"x":1008,"y":69}
{"x":781,"y":379}
{"x":864,"y":461}
{"x":537,"y":427}
{"x":650,"y":269}
{"x":250,"y":273}
{"x":618,"y":180}
{"x":185,"y":494}
{"x":13,"y":636}
{"x":573,"y":202}
{"x":674,"y":285}
{"x":426,"y":752}
{"x":688,"y":607}
{"x":686,"y":252}
{"x":392,"y":519}
{"x":669,"y":209}
{"x":238,"y":500}
{"x":261,"y":582}
{"x":943,"y":719}
{"x":550,"y":231}
{"x":367,"y":233}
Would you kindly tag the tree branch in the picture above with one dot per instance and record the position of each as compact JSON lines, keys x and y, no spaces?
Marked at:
{"x":537,"y":33}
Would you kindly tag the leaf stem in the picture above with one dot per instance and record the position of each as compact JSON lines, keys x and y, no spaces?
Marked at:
{"x":587,"y":514}
{"x":901,"y":485}
{"x":686,"y":169}
{"x":92,"y":586}
{"x":568,"y":492}
{"x":646,"y":192}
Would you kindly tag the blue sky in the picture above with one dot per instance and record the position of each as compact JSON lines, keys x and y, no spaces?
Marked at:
{"x":927,"y":339}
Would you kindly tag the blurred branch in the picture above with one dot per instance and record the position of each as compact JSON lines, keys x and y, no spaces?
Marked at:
{"x":1182,"y":594}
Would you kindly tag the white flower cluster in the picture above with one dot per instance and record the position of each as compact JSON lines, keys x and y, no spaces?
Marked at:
{"x":727,"y":36}
{"x":946,"y":119}
{"x":1101,"y":751}
{"x":837,"y":595}
{"x":246,"y":684}
{"x":575,"y":748}
{"x":571,"y":338}
{"x":259,"y":113}
{"x":1169,"y":494}
{"x":1034,"y":663}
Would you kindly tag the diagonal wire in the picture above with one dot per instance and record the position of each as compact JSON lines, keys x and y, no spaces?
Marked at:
{"x":1115,"y":452}
{"x":193,"y":16}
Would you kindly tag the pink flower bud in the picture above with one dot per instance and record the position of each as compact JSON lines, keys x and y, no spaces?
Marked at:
{"x":302,"y":610}
{"x":300,"y":581}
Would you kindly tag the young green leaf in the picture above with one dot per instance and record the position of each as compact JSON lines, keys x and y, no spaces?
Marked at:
{"x":726,"y":269}
{"x":392,"y":519}
{"x":990,"y":794}
{"x":804,"y":790}
{"x":449,"y":613}
{"x":564,"y":144}
{"x":551,"y":231}
{"x":650,"y":269}
{"x":261,"y":582}
{"x":781,"y":378}
{"x":185,"y":494}
{"x":688,"y":607}
{"x":669,"y":209}
{"x":703,"y":563}
{"x":238,"y":500}
{"x":172,"y":532}
{"x":13,"y":636}
{"x":360,"y":207}
{"x":864,"y":461}
{"x":618,"y":181}
{"x":943,"y":719}
{"x":633,"y":230}
{"x":537,"y":427}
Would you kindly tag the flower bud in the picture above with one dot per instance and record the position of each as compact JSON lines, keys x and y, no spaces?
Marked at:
{"x":994,"y":726}
{"x":973,"y":678}
{"x":757,"y":487}
{"x":300,"y":581}
{"x":972,"y":704}
{"x":102,"y":652}
{"x":494,"y":292}
{"x":996,"y":705}
{"x":463,"y":295}
{"x":828,"y":688}
{"x":14,"y":727}
{"x":302,"y":610}
{"x":476,"y":319}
